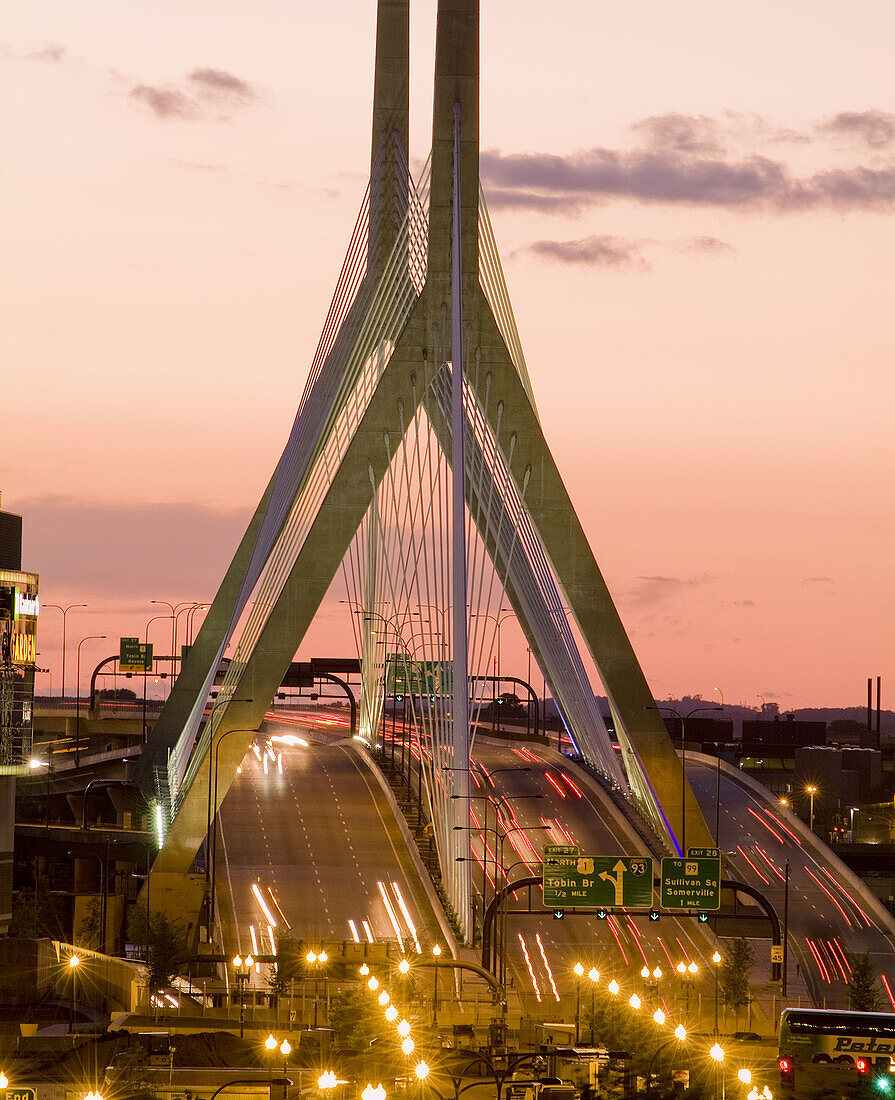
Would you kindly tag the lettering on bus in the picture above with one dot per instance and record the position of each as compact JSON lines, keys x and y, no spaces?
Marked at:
{"x":871,"y":1046}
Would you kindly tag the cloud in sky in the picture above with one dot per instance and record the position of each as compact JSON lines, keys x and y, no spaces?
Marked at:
{"x":616,"y":253}
{"x":51,"y":54}
{"x":691,"y":160}
{"x":653,"y":589}
{"x":600,"y":250}
{"x":685,"y":133}
{"x":873,"y":128}
{"x":203,"y":93}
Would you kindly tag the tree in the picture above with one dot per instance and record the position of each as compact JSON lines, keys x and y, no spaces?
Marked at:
{"x":90,"y":933}
{"x":165,"y":942}
{"x":863,"y":991}
{"x":354,"y":1020}
{"x":735,"y":972}
{"x":280,"y":973}
{"x":36,"y":914}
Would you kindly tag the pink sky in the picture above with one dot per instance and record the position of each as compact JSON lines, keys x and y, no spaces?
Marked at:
{"x":694,"y":207}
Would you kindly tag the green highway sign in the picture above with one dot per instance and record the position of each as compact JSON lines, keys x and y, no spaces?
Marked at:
{"x":621,"y":882}
{"x":703,"y":853}
{"x":691,"y":884}
{"x":134,"y":656}
{"x":16,"y":1094}
{"x":404,"y":676}
{"x":561,"y":855}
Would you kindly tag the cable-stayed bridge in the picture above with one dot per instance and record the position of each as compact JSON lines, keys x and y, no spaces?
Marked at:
{"x":417,"y":475}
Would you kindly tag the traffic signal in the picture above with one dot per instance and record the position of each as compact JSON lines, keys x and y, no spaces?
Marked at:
{"x":559,"y":914}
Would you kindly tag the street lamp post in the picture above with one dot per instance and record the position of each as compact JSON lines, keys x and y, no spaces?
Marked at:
{"x":146,"y":671}
{"x":811,"y":791}
{"x":173,"y":618}
{"x":90,"y":637}
{"x":683,"y":718}
{"x":594,"y":976}
{"x":716,"y":960}
{"x":74,"y":962}
{"x":190,"y":620}
{"x":496,"y":803}
{"x":286,"y":1050}
{"x":436,"y":951}
{"x":316,"y":959}
{"x":502,"y":837}
{"x":242,"y":968}
{"x":499,"y":619}
{"x":65,"y":611}
{"x":579,"y":973}
{"x":784,"y":979}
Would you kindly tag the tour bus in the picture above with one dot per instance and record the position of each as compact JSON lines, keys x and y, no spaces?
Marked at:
{"x":818,"y":1043}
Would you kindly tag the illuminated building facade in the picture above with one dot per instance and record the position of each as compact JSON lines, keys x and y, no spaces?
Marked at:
{"x":19,"y":609}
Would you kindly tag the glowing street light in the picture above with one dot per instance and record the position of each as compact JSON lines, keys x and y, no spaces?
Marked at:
{"x":403,"y":966}
{"x":391,"y":1014}
{"x":717,"y":1052}
{"x":680,"y":1032}
{"x":578,"y":971}
{"x":659,"y":1016}
{"x":594,"y":976}
{"x":407,"y":1046}
{"x":4,"y":1080}
{"x":403,"y":1029}
{"x":614,"y":987}
{"x":373,"y":983}
{"x":74,"y":961}
{"x":811,"y":792}
{"x":634,"y":1001}
{"x":371,"y":1093}
{"x":328,"y":1080}
{"x":421,"y":1070}
{"x":384,"y":998}
{"x":271,"y":1043}
{"x":364,"y":971}
{"x":745,"y":1075}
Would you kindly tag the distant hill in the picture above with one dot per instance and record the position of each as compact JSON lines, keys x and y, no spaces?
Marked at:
{"x":769,"y":711}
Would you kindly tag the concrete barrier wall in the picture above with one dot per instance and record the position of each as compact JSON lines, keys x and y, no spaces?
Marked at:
{"x":104,"y":983}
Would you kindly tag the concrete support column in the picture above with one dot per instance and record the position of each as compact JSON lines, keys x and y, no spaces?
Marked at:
{"x":7,"y":839}
{"x":85,"y":876}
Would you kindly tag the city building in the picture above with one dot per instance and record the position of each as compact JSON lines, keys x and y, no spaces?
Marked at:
{"x":19,"y":608}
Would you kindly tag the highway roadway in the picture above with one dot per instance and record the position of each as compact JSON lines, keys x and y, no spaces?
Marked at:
{"x":309,"y":843}
{"x":830,"y":913}
{"x":555,"y":804}
{"x":320,"y":836}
